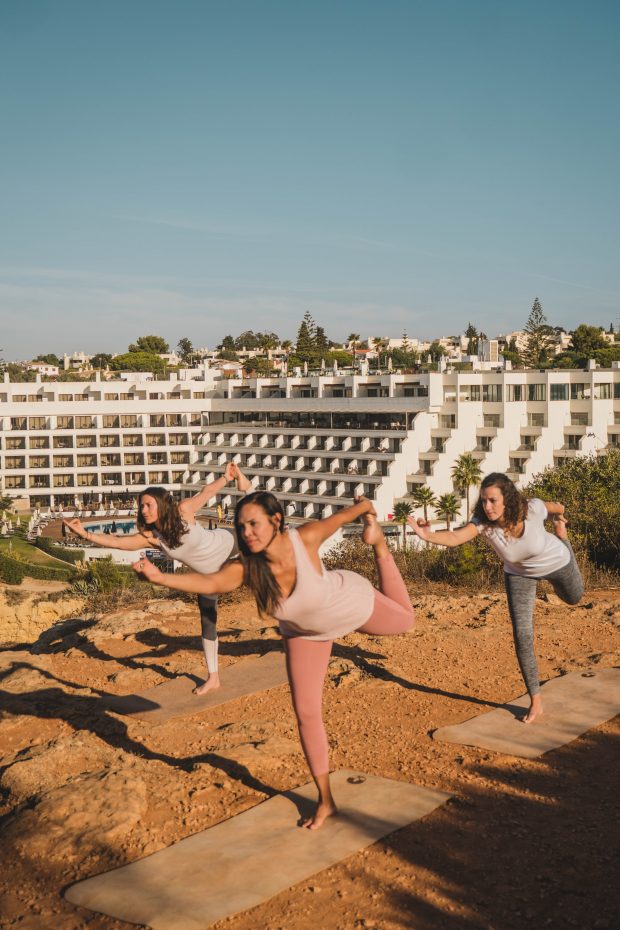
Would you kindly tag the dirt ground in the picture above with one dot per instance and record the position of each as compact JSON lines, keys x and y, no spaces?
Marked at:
{"x":523,"y":843}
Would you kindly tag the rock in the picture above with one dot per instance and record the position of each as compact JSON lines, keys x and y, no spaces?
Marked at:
{"x":91,"y":813}
{"x":25,"y":615}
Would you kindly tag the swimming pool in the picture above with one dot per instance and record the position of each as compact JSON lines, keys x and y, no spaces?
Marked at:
{"x":112,"y":526}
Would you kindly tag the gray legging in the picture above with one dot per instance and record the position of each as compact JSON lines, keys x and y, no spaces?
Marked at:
{"x":208,"y":616}
{"x":521,"y":592}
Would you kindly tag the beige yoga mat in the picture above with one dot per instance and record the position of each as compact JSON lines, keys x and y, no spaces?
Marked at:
{"x":175,"y":698}
{"x":572,"y":705}
{"x":248,"y":859}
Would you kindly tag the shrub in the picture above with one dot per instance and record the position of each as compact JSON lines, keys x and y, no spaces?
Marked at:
{"x":59,"y":552}
{"x":589,"y":488}
{"x":11,"y":572}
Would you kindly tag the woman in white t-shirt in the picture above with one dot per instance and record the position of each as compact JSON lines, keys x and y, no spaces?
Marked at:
{"x":515,"y":527}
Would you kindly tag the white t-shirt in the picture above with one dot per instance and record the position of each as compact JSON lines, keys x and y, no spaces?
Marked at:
{"x":201,"y":549}
{"x":534,"y":554}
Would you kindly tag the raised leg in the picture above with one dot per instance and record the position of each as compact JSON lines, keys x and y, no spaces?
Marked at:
{"x":567,"y":582}
{"x":306,"y":663}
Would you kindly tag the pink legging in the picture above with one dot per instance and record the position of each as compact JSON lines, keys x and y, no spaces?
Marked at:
{"x":307,"y":660}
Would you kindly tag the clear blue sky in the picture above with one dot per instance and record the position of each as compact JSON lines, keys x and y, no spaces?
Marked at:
{"x":197,"y":168}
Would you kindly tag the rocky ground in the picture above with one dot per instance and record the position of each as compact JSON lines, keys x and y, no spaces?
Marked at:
{"x":522,"y":843}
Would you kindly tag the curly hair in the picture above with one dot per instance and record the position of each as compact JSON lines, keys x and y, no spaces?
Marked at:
{"x":258,"y":574}
{"x":171,"y":526}
{"x":515,"y":503}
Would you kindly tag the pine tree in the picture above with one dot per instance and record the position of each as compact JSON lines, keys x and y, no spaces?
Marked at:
{"x":472,"y":339}
{"x":305,"y":348}
{"x":321,"y":342}
{"x":539,"y":337}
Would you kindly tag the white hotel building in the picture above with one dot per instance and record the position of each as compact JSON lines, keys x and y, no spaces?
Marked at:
{"x":314,"y":440}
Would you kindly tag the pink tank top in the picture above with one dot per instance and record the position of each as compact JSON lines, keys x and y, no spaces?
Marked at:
{"x":323,"y":606}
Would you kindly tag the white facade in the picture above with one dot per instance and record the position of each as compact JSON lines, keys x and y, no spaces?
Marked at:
{"x":315,"y":440}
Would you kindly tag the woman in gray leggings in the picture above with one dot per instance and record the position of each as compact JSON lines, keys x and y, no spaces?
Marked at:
{"x":515,"y":527}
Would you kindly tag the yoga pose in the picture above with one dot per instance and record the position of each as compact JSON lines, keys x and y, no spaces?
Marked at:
{"x":313,"y":606}
{"x":515,"y":527}
{"x":173,"y":528}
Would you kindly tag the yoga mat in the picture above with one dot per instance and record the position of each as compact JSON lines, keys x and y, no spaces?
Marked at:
{"x":174,"y":698}
{"x":572,"y":705}
{"x":250,"y":858}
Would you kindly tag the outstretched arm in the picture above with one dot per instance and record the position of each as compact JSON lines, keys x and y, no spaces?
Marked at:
{"x":227,"y":579}
{"x":443,"y":537}
{"x":129,"y":543}
{"x":317,"y":531}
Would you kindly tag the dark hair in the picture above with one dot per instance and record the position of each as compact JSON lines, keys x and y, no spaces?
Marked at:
{"x":258,"y":575}
{"x":171,"y":526}
{"x":515,"y":503}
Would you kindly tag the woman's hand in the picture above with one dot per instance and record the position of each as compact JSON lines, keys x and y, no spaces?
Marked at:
{"x":149,"y":571}
{"x":360,"y":499}
{"x":230,"y":472}
{"x":76,"y":527}
{"x":420,"y":527}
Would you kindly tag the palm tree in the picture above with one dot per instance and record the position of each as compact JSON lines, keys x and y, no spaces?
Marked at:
{"x":424,"y":497}
{"x":402,"y":510}
{"x":354,"y":339}
{"x":448,"y":507}
{"x":466,"y":472}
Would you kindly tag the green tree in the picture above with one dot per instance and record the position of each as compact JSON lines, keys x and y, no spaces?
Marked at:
{"x":228,"y":343}
{"x":423,"y":497}
{"x":267,"y":341}
{"x":305,"y":345}
{"x":402,"y":510}
{"x":448,"y":506}
{"x":138,"y":361}
{"x":466,"y":472}
{"x":152,"y":344}
{"x":101,"y":360}
{"x":353,"y":340}
{"x":404,"y":359}
{"x":185,"y":349}
{"x":258,"y":365}
{"x":436,"y":351}
{"x":248,"y":340}
{"x":228,"y":355}
{"x":539,"y":337}
{"x":321,"y":342}
{"x":472,"y":339}
{"x":18,"y":373}
{"x":49,"y":359}
{"x":589,"y":488}
{"x":585,"y":340}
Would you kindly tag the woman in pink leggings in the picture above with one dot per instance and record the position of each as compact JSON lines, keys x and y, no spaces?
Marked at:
{"x":313,"y":606}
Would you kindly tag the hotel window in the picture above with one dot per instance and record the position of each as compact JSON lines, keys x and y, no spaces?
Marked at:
{"x":37,"y":422}
{"x":84,"y":423}
{"x":195,"y":419}
{"x":178,"y":439}
{"x":134,"y":458}
{"x":156,"y":439}
{"x":157,"y":419}
{"x":64,"y":422}
{"x":39,"y":461}
{"x":63,"y":442}
{"x":13,"y":461}
{"x":174,"y":419}
{"x":537,"y":392}
{"x":63,"y":461}
{"x":18,"y":399}
{"x":108,"y":440}
{"x":559,"y":392}
{"x":87,"y":461}
{"x":132,"y":441}
{"x":617,"y":390}
{"x":86,"y":442}
{"x":135,"y":477}
{"x":470,"y":392}
{"x":127,"y":396}
{"x":572,"y":440}
{"x":65,"y":397}
{"x":82,"y":397}
{"x":129,"y":421}
{"x":110,"y":422}
{"x":110,"y":396}
{"x":18,"y":423}
{"x":63,"y":481}
{"x":15,"y":443}
{"x":38,"y":442}
{"x":110,"y":459}
{"x":492,"y":393}
{"x":515,"y":392}
{"x":34,"y":398}
{"x":87,"y":481}
{"x":580,"y":391}
{"x":11,"y":482}
{"x":602,"y":391}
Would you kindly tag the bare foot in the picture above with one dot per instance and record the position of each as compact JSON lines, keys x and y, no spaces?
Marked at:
{"x":559,"y":526}
{"x":212,"y":682}
{"x":535,"y":711}
{"x":322,"y":812}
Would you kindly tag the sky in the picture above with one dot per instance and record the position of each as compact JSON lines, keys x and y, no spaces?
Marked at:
{"x":190,"y":168}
